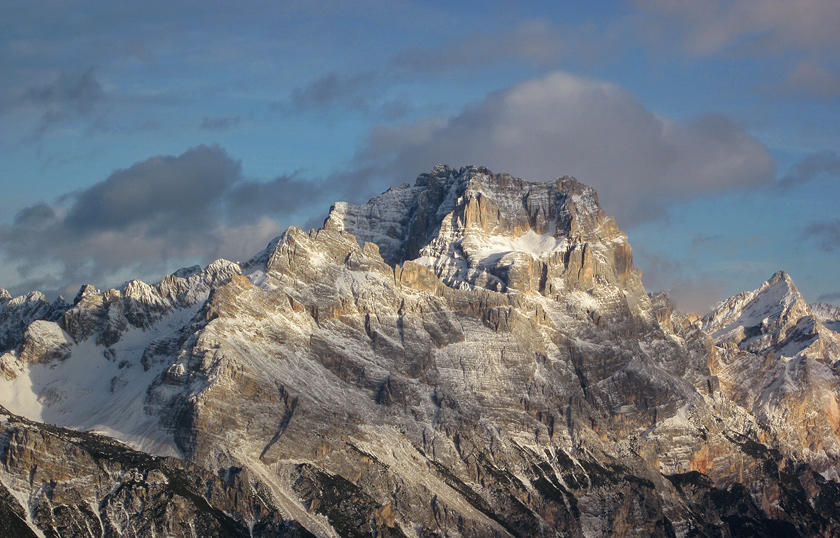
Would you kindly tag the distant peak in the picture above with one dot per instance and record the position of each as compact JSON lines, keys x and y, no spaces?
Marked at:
{"x":779,"y":276}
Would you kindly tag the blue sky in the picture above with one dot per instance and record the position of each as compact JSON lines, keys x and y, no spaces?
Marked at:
{"x":137,"y":138}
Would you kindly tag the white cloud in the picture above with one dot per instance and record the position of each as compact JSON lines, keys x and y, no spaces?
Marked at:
{"x":598,"y":132}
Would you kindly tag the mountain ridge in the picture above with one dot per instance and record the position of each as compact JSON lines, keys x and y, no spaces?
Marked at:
{"x":473,"y":355}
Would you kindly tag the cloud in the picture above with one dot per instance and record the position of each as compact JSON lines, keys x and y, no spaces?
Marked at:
{"x":218,"y":124}
{"x":162,"y":192}
{"x":68,"y":97}
{"x":137,"y":222}
{"x":825,"y":234}
{"x":76,"y":92}
{"x":825,"y":163}
{"x":197,"y":206}
{"x":534,"y":41}
{"x":364,"y":92}
{"x":162,"y":213}
{"x":354,"y":91}
{"x":283,"y":196}
{"x":828,"y":297}
{"x":762,"y":26}
{"x":561,"y":124}
{"x":688,"y":290}
{"x":808,"y":80}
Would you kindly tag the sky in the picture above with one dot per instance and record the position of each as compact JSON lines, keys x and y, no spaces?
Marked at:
{"x":140,"y":137}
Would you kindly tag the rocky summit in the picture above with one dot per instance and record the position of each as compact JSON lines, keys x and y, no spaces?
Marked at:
{"x":473,"y":355}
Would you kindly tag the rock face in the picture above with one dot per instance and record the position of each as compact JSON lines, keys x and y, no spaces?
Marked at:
{"x":473,"y":356}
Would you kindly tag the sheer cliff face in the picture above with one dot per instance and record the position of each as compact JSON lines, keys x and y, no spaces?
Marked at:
{"x":473,"y":355}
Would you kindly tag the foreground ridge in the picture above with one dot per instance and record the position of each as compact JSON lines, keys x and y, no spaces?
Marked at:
{"x":472,"y":355}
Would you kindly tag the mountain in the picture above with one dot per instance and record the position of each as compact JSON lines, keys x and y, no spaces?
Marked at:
{"x":778,"y":359}
{"x":774,"y":319}
{"x":472,"y":355}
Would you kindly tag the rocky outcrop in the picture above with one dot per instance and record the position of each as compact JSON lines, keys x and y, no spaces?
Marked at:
{"x":471,"y":356}
{"x":474,"y":228}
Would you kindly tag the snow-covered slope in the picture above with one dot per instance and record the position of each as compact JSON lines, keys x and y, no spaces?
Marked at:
{"x":91,"y":368}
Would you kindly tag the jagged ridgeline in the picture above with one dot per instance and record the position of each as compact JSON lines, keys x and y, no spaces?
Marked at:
{"x":473,"y":355}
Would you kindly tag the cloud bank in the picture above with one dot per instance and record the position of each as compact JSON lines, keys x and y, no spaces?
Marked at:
{"x":197,"y":206}
{"x":142,"y":218}
{"x":598,"y":132}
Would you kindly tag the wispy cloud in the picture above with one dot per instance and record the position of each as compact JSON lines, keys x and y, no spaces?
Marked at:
{"x":756,"y":26}
{"x":825,"y":234}
{"x":219,"y":124}
{"x":807,"y":80}
{"x":535,"y":42}
{"x":72,"y":92}
{"x":828,"y":297}
{"x":688,"y":290}
{"x":356,"y":91}
{"x":825,"y":163}
{"x":70,"y":96}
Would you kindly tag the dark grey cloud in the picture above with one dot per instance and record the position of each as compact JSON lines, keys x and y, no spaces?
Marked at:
{"x":284,"y":196}
{"x":825,"y":234}
{"x":560,"y":124}
{"x":164,"y":212}
{"x":825,"y":163}
{"x":70,"y":96}
{"x":219,"y":124}
{"x":181,"y":192}
{"x":137,"y":222}
{"x":71,"y":92}
{"x":356,"y":90}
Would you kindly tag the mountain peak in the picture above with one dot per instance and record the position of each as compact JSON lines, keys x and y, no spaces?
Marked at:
{"x":474,"y":229}
{"x":773,"y":318}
